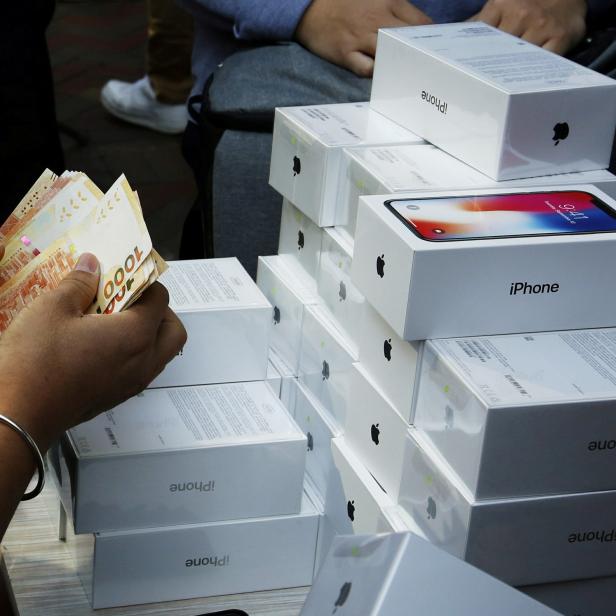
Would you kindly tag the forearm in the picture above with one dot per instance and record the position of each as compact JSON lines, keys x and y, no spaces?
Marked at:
{"x":17,"y":466}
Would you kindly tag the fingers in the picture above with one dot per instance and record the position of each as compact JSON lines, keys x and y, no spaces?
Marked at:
{"x":489,"y":14}
{"x":410,"y":15}
{"x":148,"y":312}
{"x":78,"y":288}
{"x":559,"y":46}
{"x":360,"y":63}
{"x":170,"y":339}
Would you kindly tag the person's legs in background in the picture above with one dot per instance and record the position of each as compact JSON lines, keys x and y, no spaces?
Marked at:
{"x":245,"y":210}
{"x":29,"y":139}
{"x":158,"y":100}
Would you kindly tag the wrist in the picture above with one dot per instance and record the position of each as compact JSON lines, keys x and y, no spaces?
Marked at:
{"x":28,"y":416}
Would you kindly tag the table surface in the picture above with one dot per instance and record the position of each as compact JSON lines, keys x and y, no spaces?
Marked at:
{"x":43,"y":579}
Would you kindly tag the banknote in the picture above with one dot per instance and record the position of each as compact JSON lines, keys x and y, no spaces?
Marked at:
{"x":111,"y":226}
{"x":65,"y":203}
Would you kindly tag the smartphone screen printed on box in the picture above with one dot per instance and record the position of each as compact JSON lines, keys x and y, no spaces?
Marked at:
{"x":475,"y":217}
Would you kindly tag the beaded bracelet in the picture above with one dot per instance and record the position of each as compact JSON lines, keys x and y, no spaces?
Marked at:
{"x":40,"y":465}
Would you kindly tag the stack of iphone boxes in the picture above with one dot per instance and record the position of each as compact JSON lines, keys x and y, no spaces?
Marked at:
{"x":493,"y":444}
{"x":317,"y":309}
{"x":194,"y":487}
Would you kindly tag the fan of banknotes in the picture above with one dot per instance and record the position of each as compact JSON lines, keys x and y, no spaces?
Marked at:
{"x":58,"y":219}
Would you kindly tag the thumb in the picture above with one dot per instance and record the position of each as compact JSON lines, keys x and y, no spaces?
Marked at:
{"x":79,"y":286}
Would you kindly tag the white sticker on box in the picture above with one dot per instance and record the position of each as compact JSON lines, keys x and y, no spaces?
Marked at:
{"x":535,"y":368}
{"x":349,"y":124}
{"x":210,"y":284}
{"x":404,"y":168}
{"x":185,"y":417}
{"x":329,"y":126}
{"x":502,"y":59}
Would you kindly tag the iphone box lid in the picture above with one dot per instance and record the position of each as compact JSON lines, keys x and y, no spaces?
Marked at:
{"x":446,"y":283}
{"x":355,"y":503}
{"x":422,"y":167}
{"x":523,"y":415}
{"x":327,"y":355}
{"x":288,"y":288}
{"x":307,"y":151}
{"x":502,"y":105}
{"x":391,"y":362}
{"x":198,"y":560}
{"x":299,"y":238}
{"x":334,"y":284}
{"x":388,"y":575}
{"x":227,"y":319}
{"x":375,"y":432}
{"x":521,"y":541}
{"x":185,"y":455}
{"x":320,"y":428}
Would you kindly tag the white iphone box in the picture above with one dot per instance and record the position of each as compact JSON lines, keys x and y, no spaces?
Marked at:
{"x":489,"y":261}
{"x":593,"y":597}
{"x":502,"y":105}
{"x":334,"y":284}
{"x":227,"y":319}
{"x":300,"y":238}
{"x":320,"y":428}
{"x":307,"y":151}
{"x":355,"y":503}
{"x":391,"y":169}
{"x":523,"y":415}
{"x":375,"y":432}
{"x":184,"y":455}
{"x":391,"y":362}
{"x":521,"y":541}
{"x":198,"y":560}
{"x":288,"y":288}
{"x":399,"y":574}
{"x":327,"y":356}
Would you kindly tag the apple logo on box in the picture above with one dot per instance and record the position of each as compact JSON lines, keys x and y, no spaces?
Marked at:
{"x":561,"y":132}
{"x":310,"y":441}
{"x":325,"y":371}
{"x":431,"y":508}
{"x":300,"y":239}
{"x":351,"y":510}
{"x":345,"y":589}
{"x":374,"y":433}
{"x":387,"y":349}
{"x":276,"y":315}
{"x":297,"y":166}
{"x":380,"y":265}
{"x":342,"y":291}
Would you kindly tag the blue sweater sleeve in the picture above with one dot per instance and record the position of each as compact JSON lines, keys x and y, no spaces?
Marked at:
{"x":258,"y":19}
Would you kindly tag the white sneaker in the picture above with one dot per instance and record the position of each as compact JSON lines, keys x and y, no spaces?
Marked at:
{"x":136,"y":103}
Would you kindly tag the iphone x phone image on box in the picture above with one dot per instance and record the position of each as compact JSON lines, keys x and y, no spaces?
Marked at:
{"x":476,"y":217}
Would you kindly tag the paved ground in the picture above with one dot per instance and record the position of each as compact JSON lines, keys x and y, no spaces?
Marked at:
{"x":90,"y":42}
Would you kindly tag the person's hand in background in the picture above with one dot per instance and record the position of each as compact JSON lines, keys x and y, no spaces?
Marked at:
{"x":556,"y":25}
{"x":345,"y":31}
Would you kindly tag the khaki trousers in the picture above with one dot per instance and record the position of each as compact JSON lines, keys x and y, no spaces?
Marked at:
{"x":169,"y":49}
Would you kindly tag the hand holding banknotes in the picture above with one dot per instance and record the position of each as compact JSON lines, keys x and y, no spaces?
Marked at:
{"x":74,"y":340}
{"x":60,"y":366}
